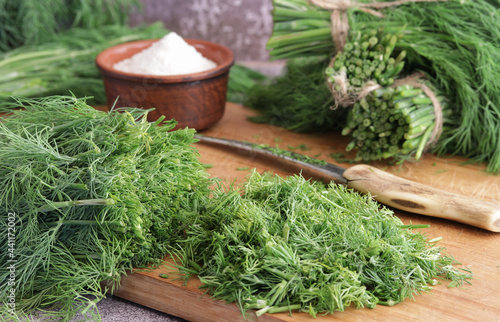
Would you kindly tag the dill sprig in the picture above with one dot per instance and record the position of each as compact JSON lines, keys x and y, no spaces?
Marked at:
{"x":94,"y":194}
{"x":291,"y":244}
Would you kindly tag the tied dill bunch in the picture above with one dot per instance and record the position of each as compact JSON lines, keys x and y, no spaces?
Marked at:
{"x":291,"y":244}
{"x":94,"y":194}
{"x":454,"y":42}
{"x":394,"y":122}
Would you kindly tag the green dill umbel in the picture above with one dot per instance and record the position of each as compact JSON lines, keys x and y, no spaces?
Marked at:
{"x":94,"y":195}
{"x":454,"y":42}
{"x":284,"y":244}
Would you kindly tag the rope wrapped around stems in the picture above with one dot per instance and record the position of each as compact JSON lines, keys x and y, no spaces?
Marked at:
{"x":340,"y":32}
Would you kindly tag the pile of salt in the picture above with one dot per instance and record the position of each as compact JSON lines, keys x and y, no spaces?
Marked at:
{"x":171,"y":55}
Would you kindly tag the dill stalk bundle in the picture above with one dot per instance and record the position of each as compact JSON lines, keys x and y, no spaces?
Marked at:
{"x":93,"y":194}
{"x":393,"y":123}
{"x":454,"y":42}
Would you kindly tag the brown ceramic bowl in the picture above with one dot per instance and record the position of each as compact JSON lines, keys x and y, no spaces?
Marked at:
{"x":194,"y":100}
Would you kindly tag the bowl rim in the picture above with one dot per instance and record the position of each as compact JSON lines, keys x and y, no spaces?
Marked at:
{"x":210,"y":73}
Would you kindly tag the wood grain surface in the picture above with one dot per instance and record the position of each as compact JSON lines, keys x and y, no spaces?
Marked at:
{"x":475,"y":248}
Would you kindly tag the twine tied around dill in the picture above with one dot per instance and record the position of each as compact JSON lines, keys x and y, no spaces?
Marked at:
{"x":340,"y":30}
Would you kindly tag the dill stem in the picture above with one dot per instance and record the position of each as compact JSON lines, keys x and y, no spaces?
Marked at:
{"x":81,"y":222}
{"x":310,"y":14}
{"x":387,"y":303}
{"x":414,"y":226}
{"x":87,"y":202}
{"x":308,"y":36}
{"x":284,"y":275}
{"x":78,"y":186}
{"x":30,"y":55}
{"x":275,"y":309}
{"x":86,"y":256}
{"x":58,"y":56}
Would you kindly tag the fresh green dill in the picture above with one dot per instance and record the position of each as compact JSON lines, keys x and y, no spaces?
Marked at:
{"x":285,"y":244}
{"x":97,"y":194}
{"x":94,"y":195}
{"x":32,"y":22}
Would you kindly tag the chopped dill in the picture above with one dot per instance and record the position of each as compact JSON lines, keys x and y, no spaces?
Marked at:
{"x":283,"y":244}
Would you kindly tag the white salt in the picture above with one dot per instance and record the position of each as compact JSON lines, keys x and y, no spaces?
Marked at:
{"x":171,"y":55}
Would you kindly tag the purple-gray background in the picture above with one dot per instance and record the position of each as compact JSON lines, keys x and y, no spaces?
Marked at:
{"x":242,"y":25}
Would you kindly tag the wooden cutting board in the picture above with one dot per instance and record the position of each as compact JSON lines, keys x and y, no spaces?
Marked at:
{"x":473,"y":247}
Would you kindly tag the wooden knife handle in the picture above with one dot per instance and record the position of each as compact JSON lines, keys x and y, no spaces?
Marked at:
{"x":418,"y":198}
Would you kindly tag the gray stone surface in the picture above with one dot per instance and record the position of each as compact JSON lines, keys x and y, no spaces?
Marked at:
{"x":114,"y":309}
{"x":242,"y":25}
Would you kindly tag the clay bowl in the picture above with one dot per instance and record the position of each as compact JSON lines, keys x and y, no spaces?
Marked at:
{"x":195,"y":100}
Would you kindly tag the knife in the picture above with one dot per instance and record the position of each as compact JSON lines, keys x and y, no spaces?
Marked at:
{"x":386,"y":188}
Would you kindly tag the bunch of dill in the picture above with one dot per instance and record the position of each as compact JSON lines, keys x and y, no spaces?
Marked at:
{"x":454,"y":42}
{"x":290,"y":244}
{"x":93,"y":194}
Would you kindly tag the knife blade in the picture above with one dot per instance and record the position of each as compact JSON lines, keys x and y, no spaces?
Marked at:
{"x":384,"y":187}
